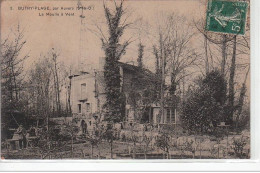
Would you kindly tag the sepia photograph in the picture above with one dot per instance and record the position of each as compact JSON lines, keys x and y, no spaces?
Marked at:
{"x":125,"y":79}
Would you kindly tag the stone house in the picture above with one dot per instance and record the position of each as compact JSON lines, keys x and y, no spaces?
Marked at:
{"x":138,"y":85}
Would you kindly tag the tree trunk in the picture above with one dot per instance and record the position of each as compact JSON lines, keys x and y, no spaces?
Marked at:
{"x":57,"y":84}
{"x":241,"y":99}
{"x":157,"y":64}
{"x":145,"y":151}
{"x":200,"y":147}
{"x":111,"y":150}
{"x":134,"y":153}
{"x":218,"y":148}
{"x":98,"y":152}
{"x":231,"y":82}
{"x":15,"y":83}
{"x":72,"y":146}
{"x":48,"y":137}
{"x":69,"y":95}
{"x":224,"y":54}
{"x":91,"y":151}
{"x":162,"y":79}
{"x":173,"y":88}
{"x":129,"y":149}
{"x":206,"y":55}
{"x":163,"y":154}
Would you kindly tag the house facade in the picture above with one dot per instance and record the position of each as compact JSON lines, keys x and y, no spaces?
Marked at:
{"x":137,"y":84}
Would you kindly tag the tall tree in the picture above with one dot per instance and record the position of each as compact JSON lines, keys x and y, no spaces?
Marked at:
{"x":140,"y":55}
{"x":206,"y":55}
{"x":157,"y":61}
{"x":40,"y":88}
{"x":56,"y":82}
{"x":205,"y":106}
{"x":224,"y":54}
{"x":175,"y":52}
{"x":113,"y":52}
{"x":157,"y":73}
{"x":231,"y":94}
{"x":235,"y":46}
{"x":69,"y":84}
{"x":12,"y":77}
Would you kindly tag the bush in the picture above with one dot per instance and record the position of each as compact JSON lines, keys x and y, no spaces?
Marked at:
{"x":238,"y":146}
{"x":244,"y":120}
{"x":163,"y":142}
{"x":205,"y":107}
{"x":123,"y":137}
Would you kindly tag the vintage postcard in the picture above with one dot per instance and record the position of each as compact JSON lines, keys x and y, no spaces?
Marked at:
{"x":125,"y":79}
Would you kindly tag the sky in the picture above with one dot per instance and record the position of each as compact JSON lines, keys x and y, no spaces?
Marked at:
{"x":77,"y":39}
{"x":42,"y":33}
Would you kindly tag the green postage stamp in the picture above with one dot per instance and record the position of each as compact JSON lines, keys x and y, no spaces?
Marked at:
{"x":226,"y":16}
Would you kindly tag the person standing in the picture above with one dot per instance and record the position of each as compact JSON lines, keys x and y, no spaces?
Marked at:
{"x":22,"y":136}
{"x":84,"y":127}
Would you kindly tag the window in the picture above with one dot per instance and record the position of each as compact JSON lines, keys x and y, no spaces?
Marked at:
{"x":88,"y":107}
{"x":83,"y":91}
{"x":173,"y":115}
{"x":168,"y":119}
{"x":79,"y":108}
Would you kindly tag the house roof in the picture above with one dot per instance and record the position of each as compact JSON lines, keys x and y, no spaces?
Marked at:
{"x":133,"y":67}
{"x":140,"y":72}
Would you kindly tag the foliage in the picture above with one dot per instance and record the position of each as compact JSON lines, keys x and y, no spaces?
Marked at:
{"x":174,"y":52}
{"x":163,"y":142}
{"x":70,"y":130}
{"x":40,"y":90}
{"x":147,"y":140}
{"x":12,"y":79}
{"x":243,"y":121}
{"x":114,"y":105}
{"x":46,"y":80}
{"x":96,"y":138}
{"x":217,"y":85}
{"x":51,"y":141}
{"x":110,"y":134}
{"x":123,"y":137}
{"x":140,"y":55}
{"x":219,"y":133}
{"x":55,"y":138}
{"x":238,"y":146}
{"x":189,"y":146}
{"x":205,"y":107}
{"x":141,"y":99}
